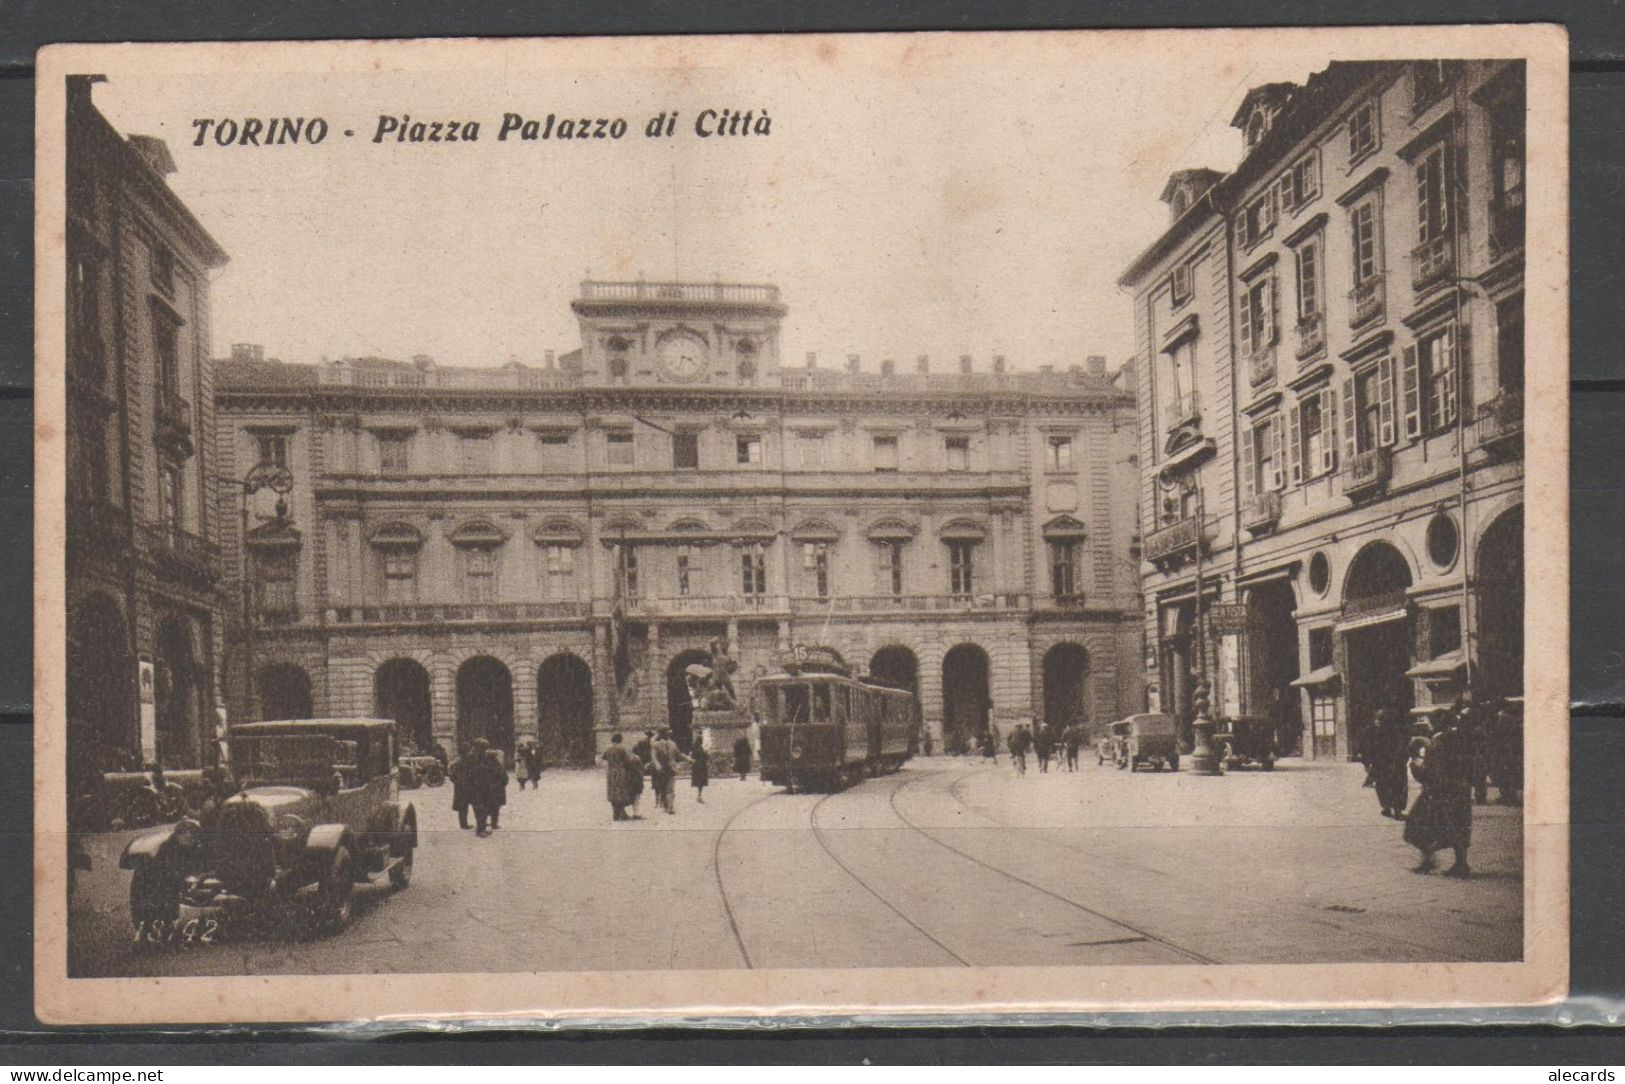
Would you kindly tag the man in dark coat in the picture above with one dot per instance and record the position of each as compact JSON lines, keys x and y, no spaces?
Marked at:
{"x":1044,"y":745}
{"x":530,"y":755}
{"x":664,"y":770}
{"x":1443,"y":815}
{"x":699,"y":772}
{"x":457,"y":772}
{"x":1390,"y":755}
{"x":1072,"y":738}
{"x":621,"y":768}
{"x":487,"y":785}
{"x":742,"y":756}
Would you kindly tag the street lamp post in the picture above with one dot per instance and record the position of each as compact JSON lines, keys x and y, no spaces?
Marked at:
{"x":279,"y":480}
{"x":1205,"y":757}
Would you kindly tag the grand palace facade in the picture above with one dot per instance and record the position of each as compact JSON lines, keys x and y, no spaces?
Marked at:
{"x":541,"y":551}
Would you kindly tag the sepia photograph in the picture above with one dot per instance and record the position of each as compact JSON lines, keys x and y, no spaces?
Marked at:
{"x":928,"y":522}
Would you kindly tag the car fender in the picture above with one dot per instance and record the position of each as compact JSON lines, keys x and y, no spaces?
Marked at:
{"x":409,"y":816}
{"x":323,"y":842}
{"x":147,"y":847}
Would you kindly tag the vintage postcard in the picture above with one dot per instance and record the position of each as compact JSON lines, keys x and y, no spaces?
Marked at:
{"x":635,"y":529}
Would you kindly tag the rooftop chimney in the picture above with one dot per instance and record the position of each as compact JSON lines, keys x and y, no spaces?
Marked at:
{"x":247,"y":352}
{"x":852,"y":363}
{"x":1097,"y":365}
{"x":812,"y":359}
{"x":964,"y":363}
{"x":923,"y":363}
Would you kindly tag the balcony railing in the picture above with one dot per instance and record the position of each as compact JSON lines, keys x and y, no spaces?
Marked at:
{"x":872,"y":604}
{"x":1261,"y":365}
{"x":1178,"y":538}
{"x":704,"y":605}
{"x":1506,"y":230}
{"x":1499,"y":422}
{"x":680,"y":291}
{"x":1379,"y":602}
{"x":175,"y":422}
{"x":1432,"y":262}
{"x":1262,"y":512}
{"x":1182,"y":410}
{"x":1311,"y":336}
{"x":1367,"y":473}
{"x":444,"y":613}
{"x":181,"y":552}
{"x":1366,"y":301}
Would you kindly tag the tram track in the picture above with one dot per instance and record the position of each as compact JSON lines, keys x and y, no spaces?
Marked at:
{"x":722,"y":887}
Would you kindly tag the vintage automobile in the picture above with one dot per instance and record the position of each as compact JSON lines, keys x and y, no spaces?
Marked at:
{"x":1144,"y":739}
{"x":316,"y":810}
{"x":1246,"y":739}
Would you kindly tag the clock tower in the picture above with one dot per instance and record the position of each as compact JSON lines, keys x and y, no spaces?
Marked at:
{"x":678,"y":334}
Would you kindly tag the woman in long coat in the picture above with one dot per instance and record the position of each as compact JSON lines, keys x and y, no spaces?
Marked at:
{"x":699,"y":772}
{"x":1443,"y":815}
{"x":621,"y":769}
{"x":1389,"y":756}
{"x":457,"y":772}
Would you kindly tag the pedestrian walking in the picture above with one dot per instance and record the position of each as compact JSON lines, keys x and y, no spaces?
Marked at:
{"x":1506,"y":760}
{"x":1390,"y":757}
{"x":457,"y":772}
{"x":1443,"y":814}
{"x":664,"y":770}
{"x":621,"y":768}
{"x":486,"y":783}
{"x":530,"y":763}
{"x":990,"y":748}
{"x":1044,"y":746}
{"x":742,"y":757}
{"x":699,"y":772}
{"x":1283,"y":723}
{"x":1072,"y":739}
{"x":1020,"y":742}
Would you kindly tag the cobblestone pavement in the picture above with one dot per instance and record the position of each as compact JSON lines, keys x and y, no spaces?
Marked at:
{"x":951,"y":862}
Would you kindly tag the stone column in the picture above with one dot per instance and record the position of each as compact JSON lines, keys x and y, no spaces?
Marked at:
{"x":443,"y":701}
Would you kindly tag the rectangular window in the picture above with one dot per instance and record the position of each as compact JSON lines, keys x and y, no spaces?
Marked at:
{"x":749,"y":450}
{"x":400,"y":575}
{"x":1364,"y":230}
{"x":815,"y":561}
{"x":1362,"y":131}
{"x":1307,"y":268}
{"x":958,"y":449}
{"x":394,"y":453}
{"x":1315,"y":418}
{"x":166,"y":351}
{"x":555,"y":450}
{"x":1059,"y":453}
{"x":1444,"y":631}
{"x":1266,"y":451}
{"x":273,"y":450}
{"x":1429,"y":81}
{"x":1507,"y":175}
{"x":559,"y":566}
{"x":1258,"y":315}
{"x":275,"y":582}
{"x":1509,"y":344}
{"x":1437,"y":360}
{"x":1301,"y":183}
{"x":85,"y":302}
{"x":890,"y":555}
{"x":753,"y":570}
{"x":163,"y":270}
{"x":1258,"y":220}
{"x":474,"y":453}
{"x":1320,"y":647}
{"x":885,"y":454}
{"x":1367,"y":410}
{"x":629,"y":571}
{"x":810,"y":450}
{"x":1432,"y":197}
{"x":619,"y":442}
{"x":1063,"y":567}
{"x":685,"y":451}
{"x":169,"y":498}
{"x":961,"y":567}
{"x":480,"y":574}
{"x":1323,"y":717}
{"x":1179,"y":284}
{"x":92,"y":467}
{"x":685,"y":564}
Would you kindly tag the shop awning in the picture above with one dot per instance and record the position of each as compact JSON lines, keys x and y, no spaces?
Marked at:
{"x":1324,"y":676}
{"x":1443,"y":666}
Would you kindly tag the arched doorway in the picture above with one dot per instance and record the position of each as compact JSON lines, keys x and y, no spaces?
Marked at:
{"x":679,"y":709}
{"x":400,"y":691}
{"x":1498,"y":576}
{"x":285,"y":692}
{"x":1376,"y":640}
{"x":1066,"y":672}
{"x":1270,"y":644}
{"x":564,"y":711}
{"x":179,"y":696}
{"x":965,"y":697}
{"x":485,"y":703}
{"x":897,"y":666}
{"x":103,"y":727}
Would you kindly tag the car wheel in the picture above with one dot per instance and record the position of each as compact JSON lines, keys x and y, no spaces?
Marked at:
{"x":152,"y":897}
{"x":335,"y":896}
{"x":1173,"y":763}
{"x":1269,"y":764}
{"x":400,"y":874}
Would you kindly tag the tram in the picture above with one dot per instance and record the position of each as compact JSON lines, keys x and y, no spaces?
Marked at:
{"x":823,"y":729}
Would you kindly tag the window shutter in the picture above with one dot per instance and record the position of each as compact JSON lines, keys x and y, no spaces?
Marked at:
{"x":1246,"y":319}
{"x":1275,"y":453}
{"x":1269,"y":209}
{"x":1328,"y":431}
{"x":1294,"y":445}
{"x":1445,"y":356}
{"x":1249,"y":464}
{"x":1410,"y":391}
{"x":1385,"y":402}
{"x":1272,"y":312}
{"x":1351,"y":437}
{"x":1464,"y":369}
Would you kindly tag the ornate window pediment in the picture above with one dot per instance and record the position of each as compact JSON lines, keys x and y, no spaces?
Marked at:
{"x":557,"y":532}
{"x":396,"y":535}
{"x":478,"y":534}
{"x":279,"y":535}
{"x":752,"y":529}
{"x":815,"y":530}
{"x":1064,"y":527}
{"x":890,"y":529}
{"x":962,"y":530}
{"x":688,"y":525}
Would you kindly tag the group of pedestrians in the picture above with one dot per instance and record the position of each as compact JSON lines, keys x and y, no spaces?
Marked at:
{"x":1045,"y":741}
{"x":657,"y":756}
{"x":479,"y":782}
{"x":1455,"y":755}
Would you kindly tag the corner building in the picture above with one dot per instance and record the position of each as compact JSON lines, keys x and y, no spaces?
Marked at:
{"x":1331,"y":390}
{"x":541,"y":551}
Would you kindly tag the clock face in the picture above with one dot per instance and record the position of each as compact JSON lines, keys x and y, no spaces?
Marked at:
{"x":681,"y":358}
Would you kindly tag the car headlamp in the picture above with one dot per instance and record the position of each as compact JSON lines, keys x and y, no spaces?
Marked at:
{"x":187,"y":833}
{"x":290,"y":829}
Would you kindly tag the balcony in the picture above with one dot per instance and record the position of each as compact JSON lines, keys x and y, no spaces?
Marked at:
{"x":711,"y":607}
{"x":1182,"y":410}
{"x":1366,"y":301}
{"x":1261,"y":365}
{"x":912,"y":604}
{"x":180,"y":554}
{"x":1367,"y":474}
{"x":453,"y":613}
{"x":1179,"y":539}
{"x":174,"y":423}
{"x":1311,"y":333}
{"x":1506,"y":230}
{"x":1432,"y":262}
{"x":1498,"y":425}
{"x":1262,"y":513}
{"x":730,"y":292}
